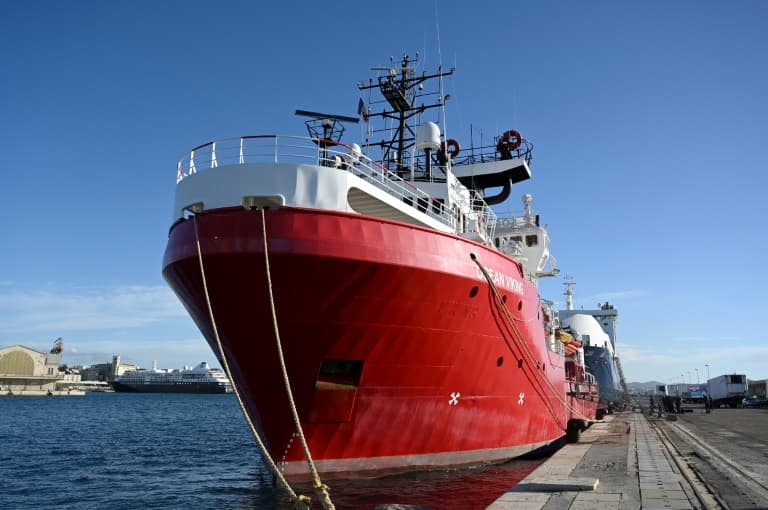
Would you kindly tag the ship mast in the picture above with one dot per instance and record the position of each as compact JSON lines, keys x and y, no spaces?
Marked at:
{"x":402,"y":91}
{"x":569,"y":283}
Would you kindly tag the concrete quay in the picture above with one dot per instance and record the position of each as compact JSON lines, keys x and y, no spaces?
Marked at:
{"x":41,"y":393}
{"x":619,"y":463}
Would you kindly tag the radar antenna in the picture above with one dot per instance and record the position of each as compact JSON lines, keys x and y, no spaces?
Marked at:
{"x":325,"y":129}
{"x":324,"y":126}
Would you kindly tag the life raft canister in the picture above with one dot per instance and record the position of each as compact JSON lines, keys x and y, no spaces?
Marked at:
{"x":454,"y":146}
{"x":510,"y":141}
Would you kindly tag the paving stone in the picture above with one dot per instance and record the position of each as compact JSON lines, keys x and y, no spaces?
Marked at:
{"x":520,"y":500}
{"x":619,"y":465}
{"x":553,"y":484}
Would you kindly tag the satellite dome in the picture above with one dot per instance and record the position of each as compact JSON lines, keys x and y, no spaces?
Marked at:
{"x":583,"y":324}
{"x":355,"y":152}
{"x":428,"y":136}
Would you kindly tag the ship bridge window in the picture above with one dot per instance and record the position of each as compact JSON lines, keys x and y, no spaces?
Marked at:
{"x":531,"y":240}
{"x":341,"y":371}
{"x":517,"y":239}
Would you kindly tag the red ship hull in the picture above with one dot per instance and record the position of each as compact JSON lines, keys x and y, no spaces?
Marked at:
{"x":398,"y":354}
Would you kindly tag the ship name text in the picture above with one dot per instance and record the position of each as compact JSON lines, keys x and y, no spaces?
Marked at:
{"x":501,"y":280}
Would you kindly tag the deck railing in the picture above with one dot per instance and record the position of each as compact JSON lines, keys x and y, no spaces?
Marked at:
{"x":303,"y":150}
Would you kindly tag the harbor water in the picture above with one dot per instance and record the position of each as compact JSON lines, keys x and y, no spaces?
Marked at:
{"x":131,"y":450}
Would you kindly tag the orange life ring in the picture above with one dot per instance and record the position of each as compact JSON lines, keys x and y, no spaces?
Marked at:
{"x":455,"y":148}
{"x":510,"y":141}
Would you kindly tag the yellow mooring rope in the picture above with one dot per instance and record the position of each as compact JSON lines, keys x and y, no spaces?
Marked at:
{"x":321,"y":490}
{"x":517,"y":337}
{"x":524,"y":347}
{"x":300,"y":502}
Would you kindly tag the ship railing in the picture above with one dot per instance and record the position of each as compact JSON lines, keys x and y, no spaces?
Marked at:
{"x":304,"y":150}
{"x":488,"y":153}
{"x":486,"y":215}
{"x":509,"y":223}
{"x":467,"y":156}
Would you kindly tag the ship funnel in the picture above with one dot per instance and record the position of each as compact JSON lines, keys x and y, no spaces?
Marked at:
{"x":428,"y":136}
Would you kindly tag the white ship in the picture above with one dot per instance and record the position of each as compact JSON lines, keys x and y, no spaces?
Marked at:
{"x":199,"y":379}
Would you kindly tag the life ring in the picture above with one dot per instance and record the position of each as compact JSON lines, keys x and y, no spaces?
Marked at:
{"x":455,"y":149}
{"x":510,"y":141}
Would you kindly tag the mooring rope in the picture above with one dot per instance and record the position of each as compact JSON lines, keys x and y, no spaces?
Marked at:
{"x":524,"y":347}
{"x":322,"y":490}
{"x":299,"y":501}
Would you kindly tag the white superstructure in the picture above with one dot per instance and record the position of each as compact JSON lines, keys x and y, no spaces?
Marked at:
{"x":200,"y":374}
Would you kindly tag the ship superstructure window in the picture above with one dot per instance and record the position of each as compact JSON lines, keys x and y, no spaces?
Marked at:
{"x":341,"y":371}
{"x":531,"y":240}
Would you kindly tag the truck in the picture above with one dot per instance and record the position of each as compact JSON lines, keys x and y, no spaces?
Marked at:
{"x":758,"y":388}
{"x":727,"y":390}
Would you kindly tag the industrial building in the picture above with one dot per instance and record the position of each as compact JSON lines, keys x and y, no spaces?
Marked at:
{"x":106,"y":371}
{"x":25,"y":371}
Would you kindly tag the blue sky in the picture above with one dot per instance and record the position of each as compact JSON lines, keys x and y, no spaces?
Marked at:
{"x":648,"y":121}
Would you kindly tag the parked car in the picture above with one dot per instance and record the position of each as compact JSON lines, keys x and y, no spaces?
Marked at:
{"x":754,"y":401}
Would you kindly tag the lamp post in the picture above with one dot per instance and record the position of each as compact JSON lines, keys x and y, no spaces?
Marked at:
{"x":697,"y":375}
{"x":706,"y":365}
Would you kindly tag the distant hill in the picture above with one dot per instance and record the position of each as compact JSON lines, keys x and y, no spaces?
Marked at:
{"x":642,"y":386}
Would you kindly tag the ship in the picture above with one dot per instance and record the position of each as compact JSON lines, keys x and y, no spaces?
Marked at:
{"x":198,"y":379}
{"x":597,"y":330}
{"x":405,"y":313}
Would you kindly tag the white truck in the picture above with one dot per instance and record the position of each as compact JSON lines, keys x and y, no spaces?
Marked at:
{"x":727,"y":390}
{"x":758,"y":388}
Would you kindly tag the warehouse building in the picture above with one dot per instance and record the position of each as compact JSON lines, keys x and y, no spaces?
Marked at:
{"x":25,"y":371}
